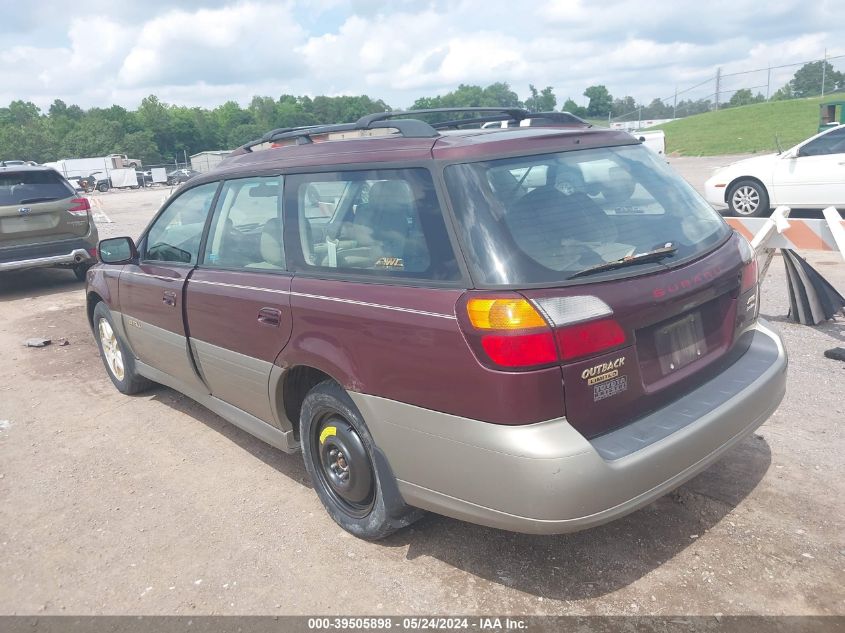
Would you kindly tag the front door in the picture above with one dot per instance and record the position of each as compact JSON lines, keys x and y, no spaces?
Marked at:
{"x":152,"y":292}
{"x":238,"y":300}
{"x":815,"y":177}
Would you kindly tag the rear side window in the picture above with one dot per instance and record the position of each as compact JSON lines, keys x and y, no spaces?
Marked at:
{"x":545,"y":218}
{"x":381,"y":223}
{"x":30,"y":187}
{"x":246,"y":231}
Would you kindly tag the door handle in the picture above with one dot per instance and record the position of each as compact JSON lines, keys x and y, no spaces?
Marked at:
{"x":270,"y":316}
{"x":169,"y":298}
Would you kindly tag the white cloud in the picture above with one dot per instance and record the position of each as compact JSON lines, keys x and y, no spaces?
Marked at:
{"x":208,"y":51}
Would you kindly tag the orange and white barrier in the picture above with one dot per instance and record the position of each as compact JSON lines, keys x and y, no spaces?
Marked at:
{"x":812,"y":299}
{"x":803,"y":235}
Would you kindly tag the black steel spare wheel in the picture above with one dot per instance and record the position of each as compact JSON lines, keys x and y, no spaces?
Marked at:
{"x":346,"y":471}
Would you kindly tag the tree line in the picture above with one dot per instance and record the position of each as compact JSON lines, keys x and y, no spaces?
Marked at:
{"x":162,"y":133}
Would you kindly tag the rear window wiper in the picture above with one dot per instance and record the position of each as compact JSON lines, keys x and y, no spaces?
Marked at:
{"x":640,"y":258}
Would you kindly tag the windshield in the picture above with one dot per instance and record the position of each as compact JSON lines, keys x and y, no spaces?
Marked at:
{"x":29,"y":187}
{"x":543,"y":219}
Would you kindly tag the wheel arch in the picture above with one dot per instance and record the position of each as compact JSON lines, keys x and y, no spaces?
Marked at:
{"x":289,"y":388}
{"x":92,"y":298}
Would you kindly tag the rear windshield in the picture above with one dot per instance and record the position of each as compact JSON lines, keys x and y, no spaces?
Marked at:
{"x":29,"y":187}
{"x":543,"y":219}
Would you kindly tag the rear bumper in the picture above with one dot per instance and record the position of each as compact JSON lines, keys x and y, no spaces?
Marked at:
{"x":64,"y":253}
{"x":546,"y":478}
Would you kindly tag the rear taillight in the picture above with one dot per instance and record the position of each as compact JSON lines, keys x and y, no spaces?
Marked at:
{"x":749,"y":264}
{"x":80,"y":207}
{"x":590,"y":338}
{"x":749,"y":275}
{"x":520,"y":350}
{"x":511,"y":332}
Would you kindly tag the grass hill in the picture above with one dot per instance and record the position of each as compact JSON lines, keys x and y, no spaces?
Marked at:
{"x":745,"y":129}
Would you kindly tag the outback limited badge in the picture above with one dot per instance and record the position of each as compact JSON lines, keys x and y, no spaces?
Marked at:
{"x":603,"y":371}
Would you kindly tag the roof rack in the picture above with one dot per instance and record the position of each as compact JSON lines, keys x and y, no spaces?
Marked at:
{"x":409,"y":126}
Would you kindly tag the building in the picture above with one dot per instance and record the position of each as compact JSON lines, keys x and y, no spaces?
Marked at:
{"x":206,"y":161}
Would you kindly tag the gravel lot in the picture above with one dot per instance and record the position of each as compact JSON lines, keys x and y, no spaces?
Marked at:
{"x":153,"y":505}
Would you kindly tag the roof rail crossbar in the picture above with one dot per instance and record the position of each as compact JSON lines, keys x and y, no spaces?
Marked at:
{"x":408,"y":126}
{"x":561,"y":117}
{"x":515,"y":113}
{"x":455,"y":123}
{"x":411,"y":128}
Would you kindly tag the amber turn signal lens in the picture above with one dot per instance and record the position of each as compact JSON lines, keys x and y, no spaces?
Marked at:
{"x":503,"y":314}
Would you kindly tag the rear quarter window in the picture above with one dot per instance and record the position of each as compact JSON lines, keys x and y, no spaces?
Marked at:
{"x":381,"y":223}
{"x":30,"y":187}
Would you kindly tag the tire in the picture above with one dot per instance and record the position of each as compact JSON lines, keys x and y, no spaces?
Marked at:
{"x":748,"y":199}
{"x":336,"y":445}
{"x":81,"y":270}
{"x":130,"y":382}
{"x":103,"y":187}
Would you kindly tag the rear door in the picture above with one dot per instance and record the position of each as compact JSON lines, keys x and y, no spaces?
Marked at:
{"x":238,"y":300}
{"x":152,"y":292}
{"x":36,"y":205}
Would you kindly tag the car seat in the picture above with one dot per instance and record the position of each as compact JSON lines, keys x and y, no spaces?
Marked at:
{"x":270,"y":246}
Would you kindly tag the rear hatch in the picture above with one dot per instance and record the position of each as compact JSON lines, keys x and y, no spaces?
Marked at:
{"x":642,"y":287}
{"x":38,"y":205}
{"x":677,"y":327}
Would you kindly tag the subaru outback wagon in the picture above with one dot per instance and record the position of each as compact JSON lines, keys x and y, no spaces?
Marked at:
{"x":538,"y":329}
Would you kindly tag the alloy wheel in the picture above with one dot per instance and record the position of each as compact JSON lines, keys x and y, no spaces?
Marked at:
{"x":746,"y":200}
{"x":111,"y":349}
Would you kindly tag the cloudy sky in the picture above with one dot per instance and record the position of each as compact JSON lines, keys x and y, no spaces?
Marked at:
{"x":205,"y":52}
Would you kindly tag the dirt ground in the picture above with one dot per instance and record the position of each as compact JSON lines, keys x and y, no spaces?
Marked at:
{"x":153,"y":505}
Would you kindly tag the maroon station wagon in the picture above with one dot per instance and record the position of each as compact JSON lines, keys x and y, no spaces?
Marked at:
{"x":538,"y":328}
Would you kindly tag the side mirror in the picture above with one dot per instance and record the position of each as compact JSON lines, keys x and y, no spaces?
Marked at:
{"x":117,"y":250}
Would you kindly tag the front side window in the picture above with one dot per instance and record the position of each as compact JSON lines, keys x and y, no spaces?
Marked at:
{"x":176,"y":234}
{"x":384,"y":223}
{"x":830,"y":143}
{"x":545,"y":218}
{"x":246,"y":230}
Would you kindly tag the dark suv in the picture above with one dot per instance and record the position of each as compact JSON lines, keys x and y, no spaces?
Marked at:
{"x":44,"y":221}
{"x":534,"y":328}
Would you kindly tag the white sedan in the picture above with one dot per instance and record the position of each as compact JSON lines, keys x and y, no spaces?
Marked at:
{"x":810,"y":175}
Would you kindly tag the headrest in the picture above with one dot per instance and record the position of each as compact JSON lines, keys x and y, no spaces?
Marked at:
{"x":390,"y":193}
{"x":271,"y":243}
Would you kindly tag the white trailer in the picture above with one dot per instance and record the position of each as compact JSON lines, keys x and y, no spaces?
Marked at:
{"x":82,"y":167}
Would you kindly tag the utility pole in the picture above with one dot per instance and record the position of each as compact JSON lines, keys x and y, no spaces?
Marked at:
{"x":768,"y":83}
{"x":675,"y":104}
{"x":718,"y":84}
{"x":824,"y":69}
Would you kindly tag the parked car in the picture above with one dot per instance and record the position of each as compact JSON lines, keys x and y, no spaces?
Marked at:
{"x":178,"y":176}
{"x":16,"y":163}
{"x":810,"y":175}
{"x":44,"y":221}
{"x":433,"y":333}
